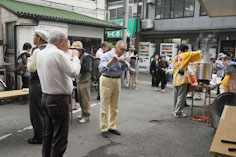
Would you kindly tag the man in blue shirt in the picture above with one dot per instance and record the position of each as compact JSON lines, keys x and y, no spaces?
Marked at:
{"x":227,"y":61}
{"x":111,"y":66}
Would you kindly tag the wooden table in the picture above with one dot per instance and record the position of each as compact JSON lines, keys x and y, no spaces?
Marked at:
{"x":226,"y":131}
{"x":13,"y":94}
{"x":208,"y":91}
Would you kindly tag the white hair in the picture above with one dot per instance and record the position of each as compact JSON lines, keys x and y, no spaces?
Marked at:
{"x":119,"y":42}
{"x":56,"y":36}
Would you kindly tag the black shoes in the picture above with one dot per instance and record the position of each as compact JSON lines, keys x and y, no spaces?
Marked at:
{"x":186,"y":105}
{"x":105,"y":134}
{"x":98,"y":97}
{"x":34,"y":141}
{"x":116,"y":132}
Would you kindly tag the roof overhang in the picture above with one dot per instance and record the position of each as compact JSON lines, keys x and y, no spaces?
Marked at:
{"x":219,"y":8}
{"x":38,"y":13}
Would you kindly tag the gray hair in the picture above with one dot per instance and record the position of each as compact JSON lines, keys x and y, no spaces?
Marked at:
{"x":56,"y":36}
{"x":226,"y":58}
{"x":105,"y":44}
{"x":118,"y":43}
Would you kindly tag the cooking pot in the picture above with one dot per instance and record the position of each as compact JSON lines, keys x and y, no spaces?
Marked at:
{"x":202,"y":70}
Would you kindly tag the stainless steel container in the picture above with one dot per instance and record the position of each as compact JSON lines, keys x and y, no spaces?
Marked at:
{"x":202,"y":71}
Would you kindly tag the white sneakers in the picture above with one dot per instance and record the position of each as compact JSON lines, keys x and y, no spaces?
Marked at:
{"x":158,"y":89}
{"x":83,"y":120}
{"x":179,"y":115}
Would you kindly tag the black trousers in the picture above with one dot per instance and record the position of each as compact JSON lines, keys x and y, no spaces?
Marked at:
{"x":153,"y":80}
{"x":161,"y":77}
{"x":36,"y":110}
{"x":25,"y":81}
{"x":56,"y":123}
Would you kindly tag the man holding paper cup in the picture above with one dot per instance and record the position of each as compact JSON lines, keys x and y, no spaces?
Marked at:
{"x":111,"y":66}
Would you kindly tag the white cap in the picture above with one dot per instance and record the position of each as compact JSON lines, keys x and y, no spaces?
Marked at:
{"x":42,"y":34}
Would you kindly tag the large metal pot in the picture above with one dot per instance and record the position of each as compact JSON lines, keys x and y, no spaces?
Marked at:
{"x":202,"y":71}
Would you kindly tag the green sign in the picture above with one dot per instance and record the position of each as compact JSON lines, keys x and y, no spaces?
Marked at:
{"x":130,"y":31}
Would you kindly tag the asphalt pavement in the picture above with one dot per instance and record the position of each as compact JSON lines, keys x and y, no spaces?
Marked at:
{"x":144,"y":119}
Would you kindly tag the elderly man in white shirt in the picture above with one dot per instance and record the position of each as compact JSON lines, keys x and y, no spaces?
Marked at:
{"x":55,"y":71}
{"x":102,"y":50}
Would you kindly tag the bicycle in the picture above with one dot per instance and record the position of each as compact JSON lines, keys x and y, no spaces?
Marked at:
{"x":3,"y":86}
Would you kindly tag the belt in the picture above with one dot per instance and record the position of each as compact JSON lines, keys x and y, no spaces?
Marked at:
{"x":116,"y":77}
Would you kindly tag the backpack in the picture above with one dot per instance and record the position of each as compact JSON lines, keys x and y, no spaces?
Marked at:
{"x":95,"y":74}
{"x":21,"y":63}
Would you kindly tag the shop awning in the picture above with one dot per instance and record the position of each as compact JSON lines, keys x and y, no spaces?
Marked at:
{"x":218,"y":8}
{"x":130,"y":30}
{"x":37,"y":12}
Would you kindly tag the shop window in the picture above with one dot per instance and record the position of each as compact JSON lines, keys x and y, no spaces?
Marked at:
{"x":112,"y":14}
{"x":120,"y":13}
{"x":202,"y":11}
{"x":178,"y":8}
{"x":10,"y":35}
{"x":174,"y":8}
{"x":188,"y":8}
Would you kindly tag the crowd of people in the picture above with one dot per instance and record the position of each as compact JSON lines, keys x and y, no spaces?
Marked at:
{"x":55,"y":68}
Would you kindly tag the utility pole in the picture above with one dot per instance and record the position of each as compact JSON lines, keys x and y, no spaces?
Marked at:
{"x":125,"y":20}
{"x":137,"y":33}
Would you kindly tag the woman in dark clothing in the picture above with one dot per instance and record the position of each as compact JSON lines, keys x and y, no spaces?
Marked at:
{"x":153,"y":69}
{"x":161,"y":73}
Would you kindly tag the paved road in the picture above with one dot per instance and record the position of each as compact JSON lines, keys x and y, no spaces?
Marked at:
{"x":144,"y":119}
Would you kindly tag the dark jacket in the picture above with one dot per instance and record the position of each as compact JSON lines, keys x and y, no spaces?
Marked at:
{"x":162,"y":65}
{"x":86,"y":68}
{"x":154,"y":67}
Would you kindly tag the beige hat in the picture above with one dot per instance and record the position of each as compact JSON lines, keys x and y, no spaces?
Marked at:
{"x":77,"y":45}
{"x":42,"y":34}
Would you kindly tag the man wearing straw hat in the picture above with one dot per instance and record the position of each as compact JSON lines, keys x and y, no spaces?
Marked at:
{"x":83,"y":84}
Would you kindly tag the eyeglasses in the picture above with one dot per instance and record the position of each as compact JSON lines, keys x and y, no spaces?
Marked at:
{"x":121,"y":50}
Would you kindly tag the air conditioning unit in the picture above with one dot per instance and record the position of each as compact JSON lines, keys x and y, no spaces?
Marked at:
{"x":147,"y":24}
{"x":151,"y":1}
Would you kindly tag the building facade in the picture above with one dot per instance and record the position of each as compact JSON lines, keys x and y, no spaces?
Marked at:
{"x":185,"y":21}
{"x":116,"y":11}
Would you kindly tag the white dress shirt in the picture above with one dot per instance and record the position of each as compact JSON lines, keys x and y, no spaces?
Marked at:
{"x":99,"y":53}
{"x":55,"y":70}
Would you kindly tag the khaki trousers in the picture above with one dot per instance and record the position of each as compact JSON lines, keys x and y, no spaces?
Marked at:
{"x":83,"y":90}
{"x":110,"y":92}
